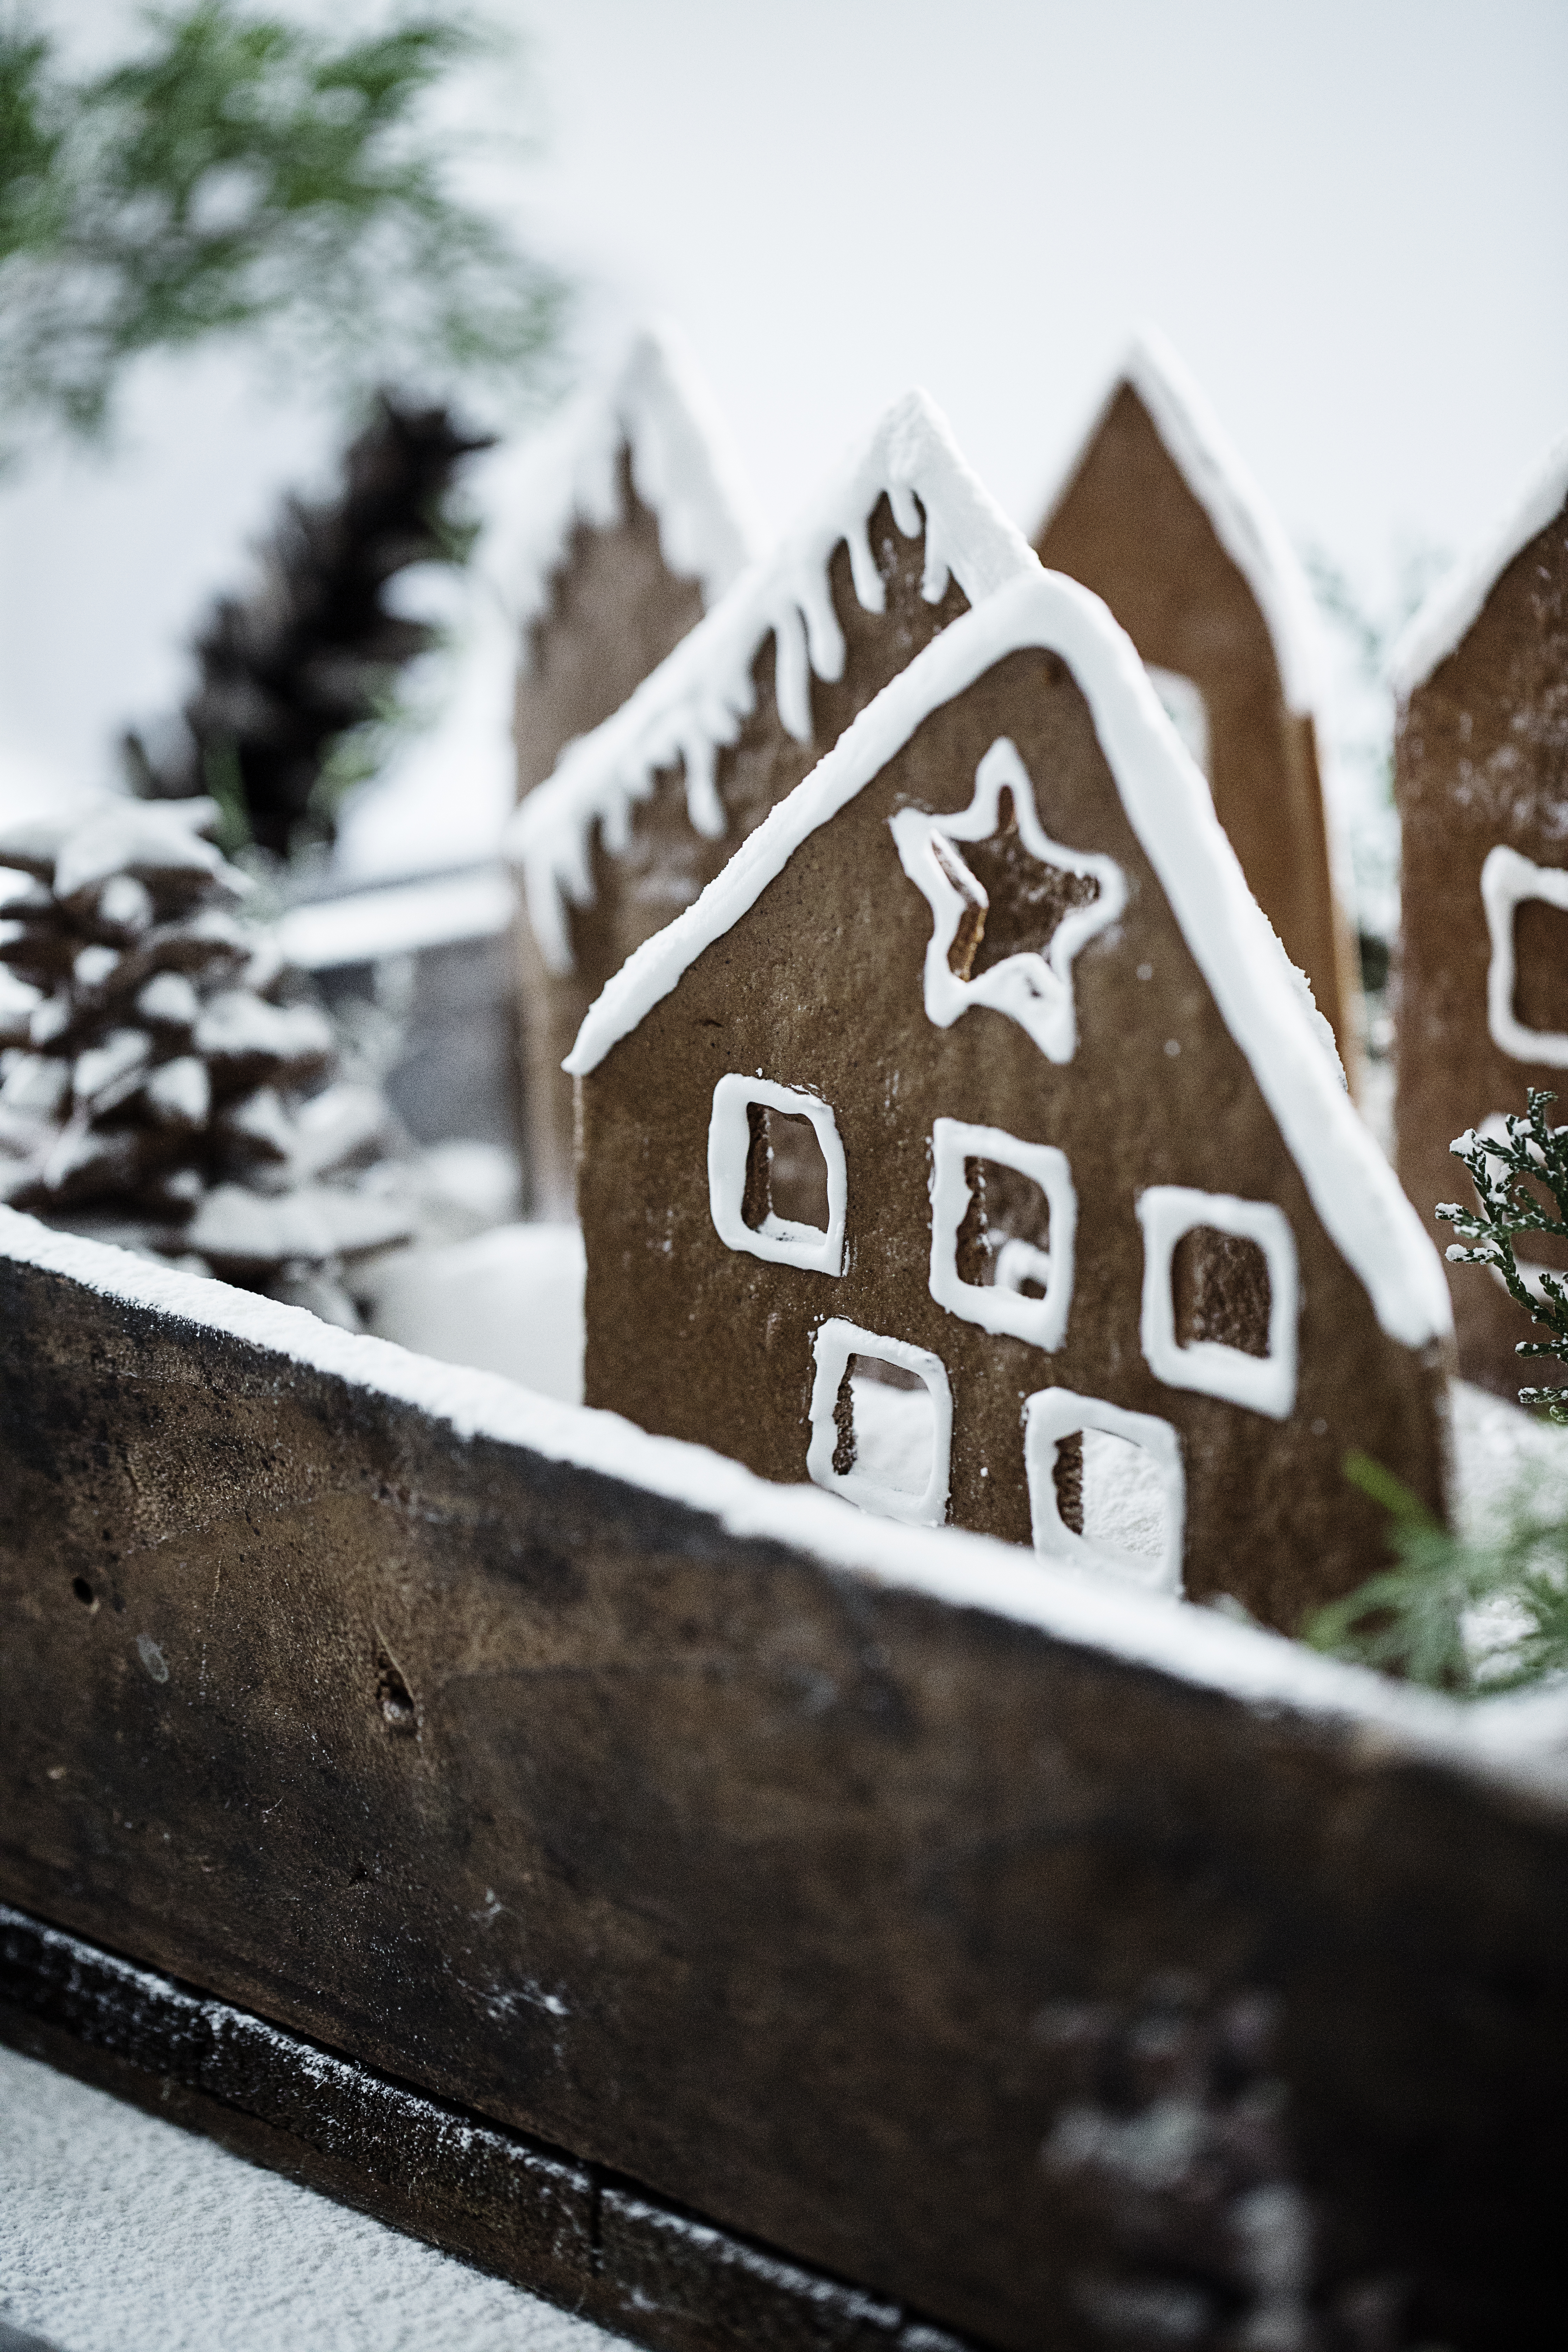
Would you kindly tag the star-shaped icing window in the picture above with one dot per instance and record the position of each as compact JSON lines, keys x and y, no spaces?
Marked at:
{"x":1011,"y":907}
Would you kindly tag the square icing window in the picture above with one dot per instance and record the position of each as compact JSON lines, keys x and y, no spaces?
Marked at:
{"x":881,"y":1424}
{"x":1221,"y":1296}
{"x":1002,"y":1215}
{"x":776,"y":1183}
{"x":1106,"y":1488}
{"x":1527,"y":979}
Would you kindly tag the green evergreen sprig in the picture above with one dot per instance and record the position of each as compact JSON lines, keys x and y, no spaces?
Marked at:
{"x":243,"y":175}
{"x":1509,"y":1170}
{"x":1417,"y":1619}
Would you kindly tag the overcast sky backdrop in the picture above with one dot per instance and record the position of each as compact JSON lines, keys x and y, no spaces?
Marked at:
{"x":1350,"y":219}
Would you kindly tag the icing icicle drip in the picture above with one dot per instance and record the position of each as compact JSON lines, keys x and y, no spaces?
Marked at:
{"x":694,"y":703}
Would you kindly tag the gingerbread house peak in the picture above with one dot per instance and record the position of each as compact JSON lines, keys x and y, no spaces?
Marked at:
{"x":657,"y":408}
{"x":1455,"y":605}
{"x":693,"y":705}
{"x":1261,"y":996}
{"x":1244,"y":522}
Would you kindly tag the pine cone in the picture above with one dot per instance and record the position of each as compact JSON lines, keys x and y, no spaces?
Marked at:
{"x":168,"y":1087}
{"x":313,"y":648}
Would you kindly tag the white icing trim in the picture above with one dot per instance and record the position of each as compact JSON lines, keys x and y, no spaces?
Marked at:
{"x":1352,"y":1187}
{"x":834,"y":1343}
{"x":1036,"y":990}
{"x":1051,"y":1414}
{"x":1521,"y":1739}
{"x":657,"y":407}
{"x":693,"y":704}
{"x":779,"y":1239}
{"x":1265,"y":1383}
{"x":1456,"y":604}
{"x":1001,"y":1307}
{"x":1223,"y":484}
{"x":1506,"y":878}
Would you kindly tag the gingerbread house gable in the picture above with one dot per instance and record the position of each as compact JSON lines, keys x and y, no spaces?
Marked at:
{"x":626,"y":520}
{"x":974,"y":1124}
{"x":1481,"y":775}
{"x":641,"y":815}
{"x":1157,"y":513}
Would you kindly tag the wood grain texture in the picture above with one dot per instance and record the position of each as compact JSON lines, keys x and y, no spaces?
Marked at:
{"x":757,"y":1883}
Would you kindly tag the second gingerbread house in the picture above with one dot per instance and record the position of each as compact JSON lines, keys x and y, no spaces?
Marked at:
{"x":1158,"y":515}
{"x":972,"y":1148}
{"x":643,"y":813}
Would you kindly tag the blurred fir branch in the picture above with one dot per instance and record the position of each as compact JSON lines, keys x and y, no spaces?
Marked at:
{"x":242,"y":174}
{"x":1509,"y":1163}
{"x":1471,"y":1618}
{"x":300,"y":694}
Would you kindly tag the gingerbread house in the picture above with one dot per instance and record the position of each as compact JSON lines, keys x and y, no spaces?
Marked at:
{"x":1158,"y":515}
{"x":643,"y":814}
{"x":1481,"y":774}
{"x":625,"y":521}
{"x":972,"y":1148}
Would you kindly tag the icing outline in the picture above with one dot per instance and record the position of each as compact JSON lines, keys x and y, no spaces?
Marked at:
{"x":1051,"y":1414}
{"x":1001,"y":1307}
{"x":1508,"y":878}
{"x":1266,"y":1384}
{"x":1034,"y":990}
{"x":833,"y":1344}
{"x":783,"y":1240}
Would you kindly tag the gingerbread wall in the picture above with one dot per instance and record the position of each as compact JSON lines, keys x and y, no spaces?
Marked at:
{"x":616,"y":609}
{"x":820,"y":986}
{"x":1481,"y":761}
{"x":1129,"y":527}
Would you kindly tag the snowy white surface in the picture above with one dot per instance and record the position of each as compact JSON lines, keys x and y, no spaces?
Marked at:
{"x":1523,"y":1736}
{"x":120,"y":2233}
{"x":1245,"y":523}
{"x":508,"y":1301}
{"x":397,"y":920}
{"x":695,"y":701}
{"x":1455,"y":604}
{"x":1262,"y":999}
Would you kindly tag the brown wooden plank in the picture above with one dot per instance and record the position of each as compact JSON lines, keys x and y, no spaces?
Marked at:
{"x":794,"y":1896}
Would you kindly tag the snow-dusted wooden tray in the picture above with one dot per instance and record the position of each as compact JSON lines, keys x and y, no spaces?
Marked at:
{"x":1027,"y":1954}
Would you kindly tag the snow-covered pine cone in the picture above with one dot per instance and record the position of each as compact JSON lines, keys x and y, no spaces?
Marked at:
{"x":164,"y":1085}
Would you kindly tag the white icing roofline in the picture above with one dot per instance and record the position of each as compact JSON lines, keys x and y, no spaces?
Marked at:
{"x":1244,"y":522}
{"x":1455,"y":605}
{"x":1260,"y":994}
{"x":1522,"y":1737}
{"x":657,"y":406}
{"x":695,"y":701}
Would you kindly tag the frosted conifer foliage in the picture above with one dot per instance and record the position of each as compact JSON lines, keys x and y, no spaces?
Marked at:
{"x":163,"y":1082}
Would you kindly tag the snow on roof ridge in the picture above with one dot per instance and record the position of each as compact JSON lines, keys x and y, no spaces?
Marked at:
{"x":1351,"y":1185}
{"x":1454,"y":605}
{"x":1508,"y":1736}
{"x":656,"y":404}
{"x":1226,"y":488}
{"x":695,"y":701}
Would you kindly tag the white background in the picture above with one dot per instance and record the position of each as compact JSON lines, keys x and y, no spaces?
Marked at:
{"x":1352,"y":220}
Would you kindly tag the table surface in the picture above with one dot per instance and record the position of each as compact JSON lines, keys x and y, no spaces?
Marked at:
{"x":120,"y":2233}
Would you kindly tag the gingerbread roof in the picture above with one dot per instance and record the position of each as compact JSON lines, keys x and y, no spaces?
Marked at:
{"x":694,"y":702}
{"x":1456,"y":603}
{"x":1261,"y":996}
{"x":657,"y":407}
{"x":1244,"y":522}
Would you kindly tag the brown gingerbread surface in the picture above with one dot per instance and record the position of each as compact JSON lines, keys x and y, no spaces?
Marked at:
{"x":1482,"y":762}
{"x":616,"y":609}
{"x":1130,"y":526}
{"x":819,"y":986}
